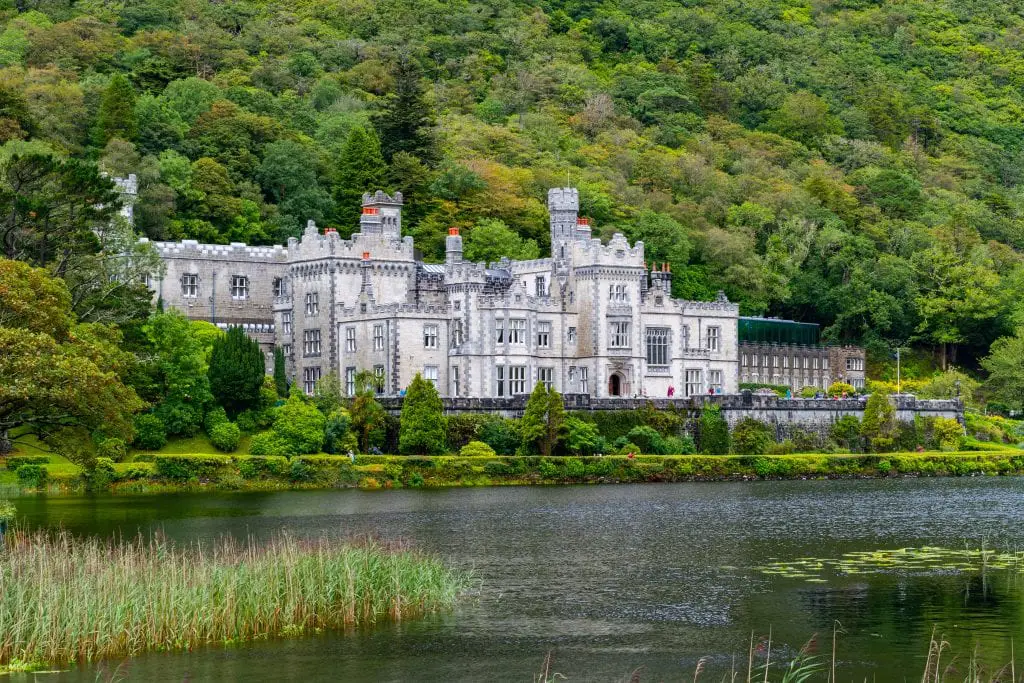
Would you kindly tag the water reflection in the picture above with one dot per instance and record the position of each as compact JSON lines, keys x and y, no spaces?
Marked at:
{"x":611,"y":578}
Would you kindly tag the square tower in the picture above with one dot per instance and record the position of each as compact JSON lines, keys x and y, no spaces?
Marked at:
{"x":382,"y":215}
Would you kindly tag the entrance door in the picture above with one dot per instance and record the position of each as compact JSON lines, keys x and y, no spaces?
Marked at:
{"x":615,"y":384}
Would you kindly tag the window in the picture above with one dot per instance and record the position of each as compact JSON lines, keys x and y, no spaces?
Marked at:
{"x":715,"y":380}
{"x":499,"y":331}
{"x":546,"y":376}
{"x":854,"y":363}
{"x":517,"y":379}
{"x":430,"y":336}
{"x":541,"y":289}
{"x":516,"y":331}
{"x":310,"y":377}
{"x":278,"y":287}
{"x":611,"y":292}
{"x":694,"y":386}
{"x":455,"y":381}
{"x":584,"y":388}
{"x":286,"y":322}
{"x":713,"y":338}
{"x":657,"y":346}
{"x":686,"y":337}
{"x":430,"y":374}
{"x":824,"y":363}
{"x":311,"y":343}
{"x":190,"y":285}
{"x":499,"y":377}
{"x":815,"y":363}
{"x":378,"y":337}
{"x":350,"y":381}
{"x":350,"y":339}
{"x":239,"y":287}
{"x":619,"y":336}
{"x":312,"y":303}
{"x":775,"y":361}
{"x":753,"y":360}
{"x":618,"y":293}
{"x":543,"y":335}
{"x":572,"y":375}
{"x":571,"y":335}
{"x":785,"y":361}
{"x":287,"y":349}
{"x":378,"y":378}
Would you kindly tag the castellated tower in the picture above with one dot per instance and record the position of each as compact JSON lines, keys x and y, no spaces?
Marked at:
{"x":563,"y":206}
{"x":382,"y":215}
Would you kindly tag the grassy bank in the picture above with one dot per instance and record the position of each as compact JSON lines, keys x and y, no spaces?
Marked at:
{"x":153,"y":473}
{"x":65,"y":599}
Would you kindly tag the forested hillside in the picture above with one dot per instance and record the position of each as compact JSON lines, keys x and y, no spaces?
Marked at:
{"x":853,"y":163}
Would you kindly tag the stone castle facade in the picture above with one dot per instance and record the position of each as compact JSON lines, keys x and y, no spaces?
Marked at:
{"x":590,"y":319}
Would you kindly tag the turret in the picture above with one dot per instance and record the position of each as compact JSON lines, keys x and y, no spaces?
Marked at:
{"x":563,"y":207}
{"x":382,"y":215}
{"x":453,"y":246}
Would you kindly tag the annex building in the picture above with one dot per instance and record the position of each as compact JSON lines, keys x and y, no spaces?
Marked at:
{"x":592,"y":318}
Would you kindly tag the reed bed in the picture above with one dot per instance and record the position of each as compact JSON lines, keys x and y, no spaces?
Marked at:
{"x":65,"y":599}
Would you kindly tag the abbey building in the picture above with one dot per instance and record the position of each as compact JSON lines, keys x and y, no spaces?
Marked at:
{"x":592,"y":318}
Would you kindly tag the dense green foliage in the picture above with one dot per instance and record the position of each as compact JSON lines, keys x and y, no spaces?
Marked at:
{"x":543,"y":422}
{"x":236,"y":372}
{"x":751,"y":437}
{"x":714,"y":431}
{"x":852,"y":164}
{"x":422,"y":422}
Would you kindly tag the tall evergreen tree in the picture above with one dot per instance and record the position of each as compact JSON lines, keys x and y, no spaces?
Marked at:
{"x":406,"y":121}
{"x":423,"y":424}
{"x":361,"y":168}
{"x":116,"y":118}
{"x":543,"y":424}
{"x":236,"y":371}
{"x":280,"y":373}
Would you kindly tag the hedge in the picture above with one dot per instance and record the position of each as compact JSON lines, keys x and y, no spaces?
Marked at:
{"x":184,"y":468}
{"x":16,"y":461}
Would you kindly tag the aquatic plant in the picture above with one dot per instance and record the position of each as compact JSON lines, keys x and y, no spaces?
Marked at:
{"x":66,"y":599}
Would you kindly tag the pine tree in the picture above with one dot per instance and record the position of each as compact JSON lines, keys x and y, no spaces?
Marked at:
{"x":116,"y":118}
{"x":368,"y":415}
{"x":280,"y":374}
{"x":714,"y":431}
{"x":543,"y":423}
{"x":406,"y":121}
{"x":422,"y":424}
{"x":236,"y":371}
{"x":361,"y":168}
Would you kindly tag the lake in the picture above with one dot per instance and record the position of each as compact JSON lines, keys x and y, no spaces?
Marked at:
{"x":610,"y":579}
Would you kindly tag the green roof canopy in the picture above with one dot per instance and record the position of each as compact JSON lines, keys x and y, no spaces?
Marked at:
{"x":775,"y":331}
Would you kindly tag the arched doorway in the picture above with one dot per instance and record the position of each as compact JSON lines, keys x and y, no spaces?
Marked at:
{"x":615,"y":384}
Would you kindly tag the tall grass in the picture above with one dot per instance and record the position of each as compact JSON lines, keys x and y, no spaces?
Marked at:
{"x":64,"y":598}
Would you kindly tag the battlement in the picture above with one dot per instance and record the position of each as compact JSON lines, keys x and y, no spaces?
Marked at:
{"x":236,"y":251}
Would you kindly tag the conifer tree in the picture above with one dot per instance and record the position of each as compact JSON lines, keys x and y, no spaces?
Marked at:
{"x":368,"y":415}
{"x":116,"y":118}
{"x":714,"y":431}
{"x":361,"y":168}
{"x":423,"y":424}
{"x":543,"y":423}
{"x":406,"y":121}
{"x":280,"y":374}
{"x":236,"y":371}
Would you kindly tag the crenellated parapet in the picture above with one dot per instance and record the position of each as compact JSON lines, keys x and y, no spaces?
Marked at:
{"x":236,"y":251}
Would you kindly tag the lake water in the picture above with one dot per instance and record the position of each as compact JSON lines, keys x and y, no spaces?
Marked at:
{"x":610,"y":579}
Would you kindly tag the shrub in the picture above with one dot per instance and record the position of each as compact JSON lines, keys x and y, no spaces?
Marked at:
{"x":236,"y":370}
{"x":423,"y":424}
{"x":679,"y":445}
{"x":250,"y":421}
{"x":150,"y":432}
{"x":714,"y":431}
{"x":582,"y":437}
{"x":225,"y":437}
{"x":948,"y":433}
{"x":184,"y":468}
{"x":32,"y":476}
{"x":502,"y":435}
{"x":784,"y":448}
{"x":464,"y":428}
{"x":269,"y":443}
{"x":16,"y":461}
{"x":214,"y":416}
{"x":647,"y":439}
{"x":879,"y":423}
{"x":751,"y":437}
{"x":301,"y":471}
{"x":101,"y":475}
{"x":496,"y":468}
{"x":260,"y":467}
{"x":840,"y":388}
{"x":477,"y":449}
{"x":112,"y":449}
{"x":809,"y":392}
{"x":337,"y":437}
{"x":846,"y":433}
{"x":300,"y":425}
{"x":626,"y":448}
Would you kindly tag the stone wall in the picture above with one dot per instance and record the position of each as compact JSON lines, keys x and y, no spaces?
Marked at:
{"x":785,"y":415}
